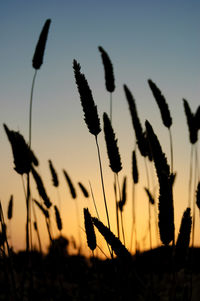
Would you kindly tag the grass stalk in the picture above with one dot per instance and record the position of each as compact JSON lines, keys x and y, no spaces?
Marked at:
{"x":94,"y":202}
{"x":171,"y":150}
{"x":133,"y":228}
{"x":111,"y":107}
{"x":103,"y":190}
{"x":37,"y":230}
{"x":122,"y":224}
{"x":78,"y":222}
{"x":193,"y":194}
{"x":30,"y":108}
{"x":190,"y":176}
{"x":102,"y":182}
{"x":28,"y":175}
{"x":27,"y":213}
{"x":149,"y":204}
{"x":116,"y":206}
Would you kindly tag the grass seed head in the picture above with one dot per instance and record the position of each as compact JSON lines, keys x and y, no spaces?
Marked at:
{"x":89,"y":108}
{"x":10,"y":207}
{"x":70,"y":184}
{"x":41,"y":188}
{"x":139,"y":133}
{"x":191,"y":122}
{"x":119,"y":249}
{"x":150,"y":196}
{"x":53,"y":174}
{"x":123,"y":200}
{"x":162,"y":104}
{"x":111,"y":143}
{"x":198,"y":195}
{"x":135,"y":173}
{"x":89,"y":229}
{"x":166,"y":206}
{"x":23,"y":155}
{"x":108,"y":70}
{"x":40,"y":47}
{"x":84,"y":190}
{"x":58,"y":218}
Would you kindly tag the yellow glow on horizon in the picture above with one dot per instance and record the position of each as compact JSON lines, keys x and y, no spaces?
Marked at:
{"x":69,"y":207}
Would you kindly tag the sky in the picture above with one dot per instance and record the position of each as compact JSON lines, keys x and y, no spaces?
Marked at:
{"x":156,"y":40}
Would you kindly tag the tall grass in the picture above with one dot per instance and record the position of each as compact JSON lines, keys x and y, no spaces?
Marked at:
{"x":148,"y":146}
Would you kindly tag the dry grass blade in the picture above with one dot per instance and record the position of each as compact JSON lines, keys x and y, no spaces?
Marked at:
{"x":40,"y":47}
{"x":10,"y":208}
{"x":58,"y":218}
{"x":150,"y":196}
{"x":84,"y":190}
{"x":89,"y":108}
{"x":198,"y":195}
{"x":71,"y":186}
{"x":191,"y":122}
{"x":41,"y":188}
{"x":108,"y":70}
{"x":135,"y":173}
{"x":43,"y":210}
{"x":166,"y":207}
{"x":162,"y":104}
{"x":116,"y":245}
{"x":89,"y":229}
{"x":140,"y":135}
{"x":111,"y":143}
{"x":53,"y":174}
{"x":23,"y":156}
{"x":123,"y":200}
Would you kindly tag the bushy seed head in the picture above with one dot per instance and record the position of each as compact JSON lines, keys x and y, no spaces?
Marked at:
{"x":108,"y":70}
{"x":23,"y":155}
{"x":111,"y":143}
{"x":40,"y":47}
{"x":89,"y":108}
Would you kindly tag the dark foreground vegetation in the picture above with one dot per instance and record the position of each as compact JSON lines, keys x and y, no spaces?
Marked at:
{"x":58,"y":276}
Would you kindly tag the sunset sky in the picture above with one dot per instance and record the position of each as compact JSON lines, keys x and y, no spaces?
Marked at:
{"x":144,"y":39}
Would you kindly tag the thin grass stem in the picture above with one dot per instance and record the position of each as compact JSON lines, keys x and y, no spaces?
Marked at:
{"x":122,"y":224}
{"x":149,"y":205}
{"x":95,"y":206}
{"x":102,"y":182}
{"x":30,"y":108}
{"x":103,"y":190}
{"x":190,"y":176}
{"x":28,"y":213}
{"x":78,"y":222}
{"x":133,"y":228}
{"x":195,"y":185}
{"x":116,"y":206}
{"x":111,"y":107}
{"x":171,"y":150}
{"x":37,"y":231}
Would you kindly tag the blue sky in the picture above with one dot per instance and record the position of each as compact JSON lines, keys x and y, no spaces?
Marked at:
{"x":145,"y":39}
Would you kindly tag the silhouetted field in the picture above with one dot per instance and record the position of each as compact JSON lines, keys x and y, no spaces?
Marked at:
{"x":170,"y":272}
{"x":56,"y":276}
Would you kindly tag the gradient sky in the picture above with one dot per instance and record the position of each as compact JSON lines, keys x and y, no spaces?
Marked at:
{"x":144,"y":39}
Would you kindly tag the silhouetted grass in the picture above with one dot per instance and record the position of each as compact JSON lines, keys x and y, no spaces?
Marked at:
{"x":58,"y":275}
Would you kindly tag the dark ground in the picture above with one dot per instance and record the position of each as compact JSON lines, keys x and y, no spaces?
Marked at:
{"x":151,"y":275}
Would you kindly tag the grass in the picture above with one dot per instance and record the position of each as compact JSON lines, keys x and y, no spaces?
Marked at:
{"x":151,"y":275}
